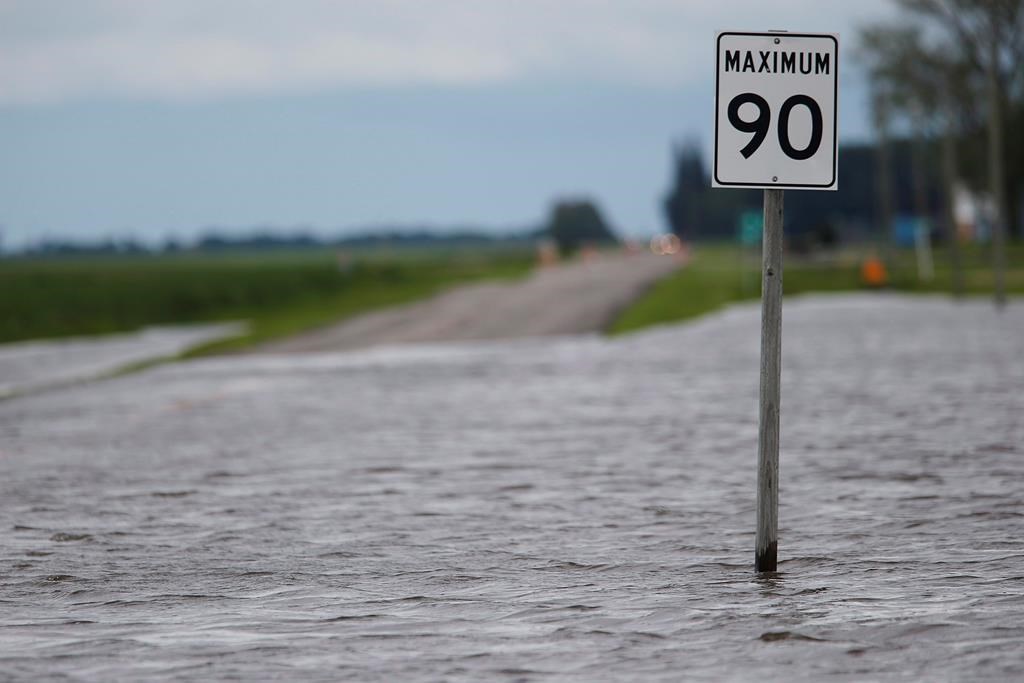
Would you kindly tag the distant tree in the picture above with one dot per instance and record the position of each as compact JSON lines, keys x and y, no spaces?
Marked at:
{"x":686,"y":205}
{"x":575,"y":223}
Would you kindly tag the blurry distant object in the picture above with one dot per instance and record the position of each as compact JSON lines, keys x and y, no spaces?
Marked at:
{"x":344,"y":260}
{"x":670,"y":245}
{"x":873,"y":272}
{"x":751,"y":225}
{"x":588,"y":252}
{"x":695,"y":211}
{"x":904,"y":229}
{"x":972,"y":214}
{"x":665,"y":245}
{"x":684,"y":253}
{"x":916,"y":232}
{"x":575,"y":223}
{"x":547,"y":252}
{"x":923,"y":247}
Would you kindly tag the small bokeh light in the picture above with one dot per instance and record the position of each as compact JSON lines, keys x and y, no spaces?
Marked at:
{"x":666,"y":245}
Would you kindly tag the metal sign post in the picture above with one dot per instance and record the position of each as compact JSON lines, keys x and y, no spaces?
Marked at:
{"x":776,"y":112}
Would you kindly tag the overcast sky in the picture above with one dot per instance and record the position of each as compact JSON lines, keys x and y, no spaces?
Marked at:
{"x":163,"y":117}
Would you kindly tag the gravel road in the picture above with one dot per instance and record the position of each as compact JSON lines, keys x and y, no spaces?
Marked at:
{"x":577,"y":297}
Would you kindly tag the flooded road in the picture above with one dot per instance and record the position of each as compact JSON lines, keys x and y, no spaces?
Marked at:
{"x":576,"y":508}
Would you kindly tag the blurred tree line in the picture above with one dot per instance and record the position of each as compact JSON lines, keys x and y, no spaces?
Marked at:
{"x":219,"y":240}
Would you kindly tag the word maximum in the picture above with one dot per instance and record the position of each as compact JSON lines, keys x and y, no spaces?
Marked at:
{"x":778,"y":62}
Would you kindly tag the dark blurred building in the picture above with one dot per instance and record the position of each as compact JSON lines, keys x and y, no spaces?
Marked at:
{"x":696,"y":211}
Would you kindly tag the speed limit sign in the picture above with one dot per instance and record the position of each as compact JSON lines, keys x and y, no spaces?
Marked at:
{"x":776,"y":110}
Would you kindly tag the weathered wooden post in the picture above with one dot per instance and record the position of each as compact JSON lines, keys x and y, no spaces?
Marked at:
{"x":767,"y":535}
{"x":775,"y":129}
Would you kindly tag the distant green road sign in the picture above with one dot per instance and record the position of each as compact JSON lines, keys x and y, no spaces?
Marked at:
{"x":751,"y":224}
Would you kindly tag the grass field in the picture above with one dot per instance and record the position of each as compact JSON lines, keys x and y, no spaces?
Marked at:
{"x":719,"y":275}
{"x":280,"y":293}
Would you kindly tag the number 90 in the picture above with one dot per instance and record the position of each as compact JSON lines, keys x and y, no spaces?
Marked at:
{"x":759,"y":126}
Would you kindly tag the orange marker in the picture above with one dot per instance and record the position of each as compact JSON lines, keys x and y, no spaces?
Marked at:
{"x":873,"y":273}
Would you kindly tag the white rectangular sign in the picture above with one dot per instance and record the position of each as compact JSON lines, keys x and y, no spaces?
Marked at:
{"x":776,"y":110}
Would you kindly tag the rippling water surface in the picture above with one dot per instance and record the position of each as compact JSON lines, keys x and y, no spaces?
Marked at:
{"x":576,"y":509}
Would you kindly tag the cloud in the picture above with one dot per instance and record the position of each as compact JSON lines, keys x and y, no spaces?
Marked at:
{"x":53,"y":51}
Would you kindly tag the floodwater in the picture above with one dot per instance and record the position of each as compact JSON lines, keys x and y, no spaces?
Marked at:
{"x":36,"y":365}
{"x":576,"y":509}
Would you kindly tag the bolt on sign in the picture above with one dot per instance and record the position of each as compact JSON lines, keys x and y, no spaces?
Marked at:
{"x":776,"y":110}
